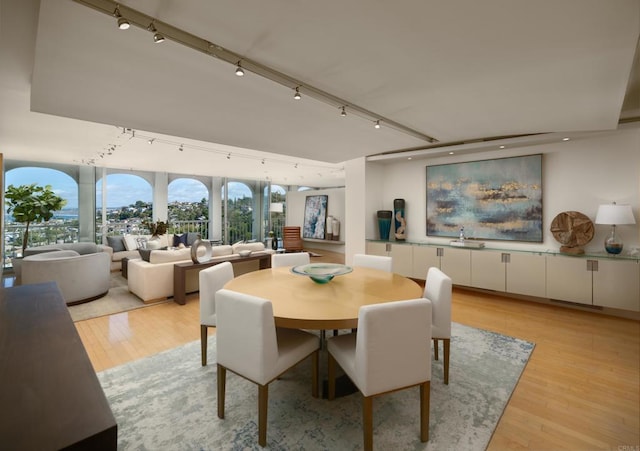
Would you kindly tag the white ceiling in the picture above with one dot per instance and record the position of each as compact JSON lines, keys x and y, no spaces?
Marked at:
{"x":457,"y":71}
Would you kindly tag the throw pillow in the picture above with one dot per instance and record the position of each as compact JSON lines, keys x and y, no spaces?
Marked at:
{"x":145,"y":254}
{"x":142,"y":243}
{"x":130,"y":242}
{"x":179,"y":239}
{"x":191,"y":238}
{"x":116,"y":243}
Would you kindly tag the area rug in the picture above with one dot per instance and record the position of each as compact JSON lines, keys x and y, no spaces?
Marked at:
{"x":168,"y":402}
{"x":119,"y":299}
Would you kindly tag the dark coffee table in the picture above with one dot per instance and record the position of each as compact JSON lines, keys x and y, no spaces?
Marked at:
{"x":125,"y":265}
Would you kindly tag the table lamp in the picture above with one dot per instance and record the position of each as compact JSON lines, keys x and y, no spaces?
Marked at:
{"x":614,"y":214}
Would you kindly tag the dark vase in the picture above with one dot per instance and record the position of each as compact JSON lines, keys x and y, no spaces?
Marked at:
{"x":274,"y":243}
{"x":399,"y":219}
{"x":384,"y":223}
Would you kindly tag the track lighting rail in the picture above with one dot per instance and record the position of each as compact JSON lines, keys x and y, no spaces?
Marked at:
{"x":175,"y":34}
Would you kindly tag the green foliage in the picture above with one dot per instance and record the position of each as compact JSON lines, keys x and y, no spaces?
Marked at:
{"x":189,"y":211}
{"x":32,"y":204}
{"x":157,"y":228}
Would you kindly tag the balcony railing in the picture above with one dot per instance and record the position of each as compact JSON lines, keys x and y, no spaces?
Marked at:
{"x":39,"y":235}
{"x":137,"y":228}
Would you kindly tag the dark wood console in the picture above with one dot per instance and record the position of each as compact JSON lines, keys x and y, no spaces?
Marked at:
{"x":180,"y":271}
{"x":50,"y":396}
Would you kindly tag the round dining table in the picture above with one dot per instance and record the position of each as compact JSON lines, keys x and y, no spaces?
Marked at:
{"x":300,"y":303}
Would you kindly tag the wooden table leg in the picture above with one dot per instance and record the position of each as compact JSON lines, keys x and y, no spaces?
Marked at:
{"x":179,"y":285}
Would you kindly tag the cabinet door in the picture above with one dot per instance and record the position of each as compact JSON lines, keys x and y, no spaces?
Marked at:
{"x":456,"y":263}
{"x":487,"y":270}
{"x":402,"y":255}
{"x":424,"y":257}
{"x":526,"y":274}
{"x":568,"y":279}
{"x":616,"y":284}
{"x":374,"y":248}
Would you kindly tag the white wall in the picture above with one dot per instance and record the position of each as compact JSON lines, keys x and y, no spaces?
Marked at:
{"x":577,"y":175}
{"x":335,"y":207}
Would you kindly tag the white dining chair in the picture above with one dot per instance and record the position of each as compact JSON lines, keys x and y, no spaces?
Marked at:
{"x":249,"y":344}
{"x":380,"y":262}
{"x":438,"y":289}
{"x":389,"y":352}
{"x":293,"y":259}
{"x":210,"y":281}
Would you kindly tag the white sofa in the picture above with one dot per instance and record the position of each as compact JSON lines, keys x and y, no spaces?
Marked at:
{"x":152,"y":280}
{"x":121,"y":246}
{"x":80,"y":278}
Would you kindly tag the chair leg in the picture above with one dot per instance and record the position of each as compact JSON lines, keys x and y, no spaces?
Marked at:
{"x":435,"y":348}
{"x":367,"y":422}
{"x":222,"y":382}
{"x":263,"y":402}
{"x":315,"y":361}
{"x":446,"y":345}
{"x":331,"y":376}
{"x":425,"y":396}
{"x":203,"y":343}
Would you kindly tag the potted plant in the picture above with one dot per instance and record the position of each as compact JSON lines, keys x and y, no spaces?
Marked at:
{"x":32,"y":204}
{"x":156,"y":228}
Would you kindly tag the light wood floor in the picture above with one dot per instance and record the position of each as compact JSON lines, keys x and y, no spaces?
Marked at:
{"x":579,"y":391}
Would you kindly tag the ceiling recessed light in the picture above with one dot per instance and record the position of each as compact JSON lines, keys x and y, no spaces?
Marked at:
{"x":451,"y":153}
{"x":409,"y":158}
{"x":502,"y":147}
{"x":566,"y":139}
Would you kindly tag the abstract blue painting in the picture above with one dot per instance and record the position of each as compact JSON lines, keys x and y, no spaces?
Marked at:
{"x":315,"y":216}
{"x":498,"y":199}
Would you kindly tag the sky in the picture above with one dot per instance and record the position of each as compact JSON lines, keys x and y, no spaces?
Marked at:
{"x":122,"y":189}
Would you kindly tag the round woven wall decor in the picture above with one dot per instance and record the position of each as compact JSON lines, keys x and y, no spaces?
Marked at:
{"x":573,"y":230}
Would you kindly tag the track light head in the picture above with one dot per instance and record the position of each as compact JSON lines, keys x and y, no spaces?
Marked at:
{"x":297,"y":95}
{"x":343,"y":113}
{"x":377,"y":124}
{"x":181,"y":149}
{"x":123,"y":23}
{"x":158,"y":38}
{"x":239,"y":70}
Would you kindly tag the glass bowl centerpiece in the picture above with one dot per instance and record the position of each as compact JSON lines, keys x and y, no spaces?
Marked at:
{"x":321,"y":272}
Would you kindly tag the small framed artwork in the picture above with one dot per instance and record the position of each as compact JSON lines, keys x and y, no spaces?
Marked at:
{"x":315,"y":217}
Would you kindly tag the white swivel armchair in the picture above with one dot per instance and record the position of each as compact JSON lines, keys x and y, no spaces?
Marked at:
{"x":438,"y":290}
{"x":249,"y":344}
{"x":373,"y":261}
{"x":390,"y":351}
{"x":295,"y":259}
{"x":211,"y":280}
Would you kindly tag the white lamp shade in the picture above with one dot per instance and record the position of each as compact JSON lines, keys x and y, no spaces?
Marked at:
{"x":615,"y":214}
{"x":277,"y":207}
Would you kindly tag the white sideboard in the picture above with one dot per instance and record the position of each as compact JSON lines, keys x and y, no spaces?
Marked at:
{"x":593,"y":280}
